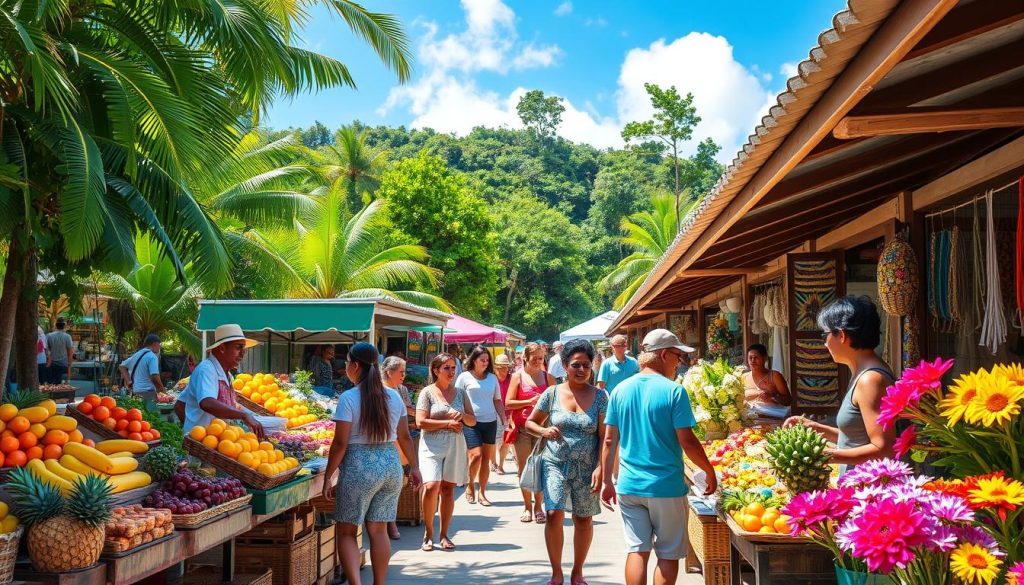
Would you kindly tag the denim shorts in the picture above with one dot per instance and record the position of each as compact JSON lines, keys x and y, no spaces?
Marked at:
{"x":484,"y":433}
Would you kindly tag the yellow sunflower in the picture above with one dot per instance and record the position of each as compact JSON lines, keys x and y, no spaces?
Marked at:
{"x":973,"y":564}
{"x":997,"y":401}
{"x":1015,"y":372}
{"x":998,"y":492}
{"x":960,"y":394}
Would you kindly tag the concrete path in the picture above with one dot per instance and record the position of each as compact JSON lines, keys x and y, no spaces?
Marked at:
{"x":495,"y":547}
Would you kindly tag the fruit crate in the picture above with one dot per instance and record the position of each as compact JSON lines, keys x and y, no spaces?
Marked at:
{"x":708,"y":535}
{"x":211,"y":575}
{"x":281,"y":529}
{"x":255,"y":407}
{"x":293,"y":563}
{"x":248,"y":476}
{"x":281,"y":497}
{"x":95,"y":427}
{"x":326,"y":553}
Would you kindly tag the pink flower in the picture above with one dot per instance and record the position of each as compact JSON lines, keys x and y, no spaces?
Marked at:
{"x":877,"y":472}
{"x":1015,"y":576}
{"x":928,"y":374}
{"x":905,"y":442}
{"x":910,"y":388}
{"x":811,"y":510}
{"x":885,"y":534}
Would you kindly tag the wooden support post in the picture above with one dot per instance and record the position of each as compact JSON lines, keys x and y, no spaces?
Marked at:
{"x":745,"y":312}
{"x":922,"y":120}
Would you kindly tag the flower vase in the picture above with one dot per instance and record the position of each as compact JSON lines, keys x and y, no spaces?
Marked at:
{"x":850,"y":577}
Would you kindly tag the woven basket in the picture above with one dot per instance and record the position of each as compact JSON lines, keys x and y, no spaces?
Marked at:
{"x":898,"y":278}
{"x":9,"y":554}
{"x":192,"y":520}
{"x":292,"y":563}
{"x":235,"y":469}
{"x":95,"y":427}
{"x":410,"y":509}
{"x":250,"y":405}
{"x":709,"y":538}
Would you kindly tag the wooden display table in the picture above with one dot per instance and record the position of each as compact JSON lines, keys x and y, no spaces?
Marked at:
{"x":781,"y":560}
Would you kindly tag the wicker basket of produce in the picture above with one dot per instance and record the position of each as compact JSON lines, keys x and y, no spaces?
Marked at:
{"x":101,"y":430}
{"x":9,"y":553}
{"x":247,"y":475}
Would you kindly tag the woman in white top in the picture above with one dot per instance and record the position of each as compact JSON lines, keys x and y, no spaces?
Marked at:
{"x":368,"y":420}
{"x":481,"y":385}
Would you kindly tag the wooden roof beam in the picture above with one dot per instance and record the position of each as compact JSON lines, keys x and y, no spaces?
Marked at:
{"x":934,"y":120}
{"x":700,"y":272}
{"x":966,"y":22}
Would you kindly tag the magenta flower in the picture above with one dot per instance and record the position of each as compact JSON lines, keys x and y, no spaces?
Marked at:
{"x":876,"y":472}
{"x":928,"y":374}
{"x":910,"y":388}
{"x":885,"y":534}
{"x":979,"y":536}
{"x":811,"y":510}
{"x":1015,"y":576}
{"x":905,"y":442}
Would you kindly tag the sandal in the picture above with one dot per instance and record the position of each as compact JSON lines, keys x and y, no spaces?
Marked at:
{"x":484,"y":501}
{"x":447,"y":544}
{"x":526,"y":516}
{"x":580,"y":582}
{"x":396,"y":535}
{"x":540,"y":517}
{"x":427,"y":546}
{"x":470,"y":498}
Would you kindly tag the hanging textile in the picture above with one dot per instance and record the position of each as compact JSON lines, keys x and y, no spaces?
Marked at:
{"x":933,"y":242}
{"x":993,"y":328}
{"x":978,"y":253}
{"x":942,"y":277}
{"x":957,"y":282}
{"x":758,"y":326}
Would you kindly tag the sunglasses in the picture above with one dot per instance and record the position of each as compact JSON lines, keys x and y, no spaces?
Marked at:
{"x":825,"y":334}
{"x":578,"y":366}
{"x":449,"y":368}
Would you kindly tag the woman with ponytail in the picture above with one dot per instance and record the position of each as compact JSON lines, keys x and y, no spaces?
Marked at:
{"x":368,"y":420}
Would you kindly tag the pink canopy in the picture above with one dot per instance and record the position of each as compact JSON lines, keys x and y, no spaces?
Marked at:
{"x":463,"y":330}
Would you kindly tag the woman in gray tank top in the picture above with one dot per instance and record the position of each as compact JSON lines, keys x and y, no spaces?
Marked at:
{"x":851,"y":329}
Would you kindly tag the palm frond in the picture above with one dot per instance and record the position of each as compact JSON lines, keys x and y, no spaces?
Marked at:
{"x":382,"y":32}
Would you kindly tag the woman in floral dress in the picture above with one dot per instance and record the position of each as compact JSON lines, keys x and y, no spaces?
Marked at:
{"x":574,"y":412}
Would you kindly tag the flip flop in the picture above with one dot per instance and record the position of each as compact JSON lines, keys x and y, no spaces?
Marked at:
{"x":427,"y":546}
{"x":395,"y":536}
{"x":447,"y":544}
{"x":485,"y":502}
{"x":539,"y":518}
{"x":526,"y":516}
{"x":580,"y":582}
{"x":471,"y":498}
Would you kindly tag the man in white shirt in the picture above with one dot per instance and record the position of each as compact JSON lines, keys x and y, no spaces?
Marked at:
{"x":141,"y":372}
{"x":209,"y":393}
{"x":555,"y":367}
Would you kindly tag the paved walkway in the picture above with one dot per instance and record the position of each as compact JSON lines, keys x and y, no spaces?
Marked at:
{"x":494,"y":546}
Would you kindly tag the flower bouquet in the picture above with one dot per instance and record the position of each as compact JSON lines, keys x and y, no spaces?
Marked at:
{"x":885,"y":520}
{"x":716,"y":395}
{"x":720,"y":339}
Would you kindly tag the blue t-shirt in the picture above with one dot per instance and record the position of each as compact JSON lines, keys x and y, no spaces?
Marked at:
{"x":613,"y":373}
{"x":148,"y":365}
{"x":647,"y":409}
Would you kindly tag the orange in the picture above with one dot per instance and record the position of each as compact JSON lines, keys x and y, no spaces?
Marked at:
{"x":750,"y":523}
{"x":101,"y":413}
{"x":18,"y":425}
{"x":8,"y":433}
{"x":781,"y":524}
{"x":754,"y":509}
{"x":75,"y":436}
{"x":227,"y":447}
{"x":155,"y":433}
{"x":147,"y":436}
{"x":2,"y":457}
{"x":198,"y":433}
{"x":85,"y":407}
{"x":27,"y":440}
{"x":8,"y":444}
{"x":16,"y":459}
{"x":55,"y":437}
{"x":210,"y":441}
{"x":88,"y":442}
{"x":237,"y":384}
{"x":145,"y":425}
{"x":109,"y":402}
{"x":770,"y":516}
{"x":53,"y":452}
{"x":3,"y":426}
{"x":135,"y":436}
{"x":34,"y":453}
{"x":8,"y":411}
{"x":109,"y":423}
{"x":135,"y":414}
{"x":92,"y":399}
{"x":134,"y":427}
{"x":767,"y":529}
{"x":38,"y":430}
{"x":122,"y":433}
{"x":215,"y":429}
{"x":120,"y":425}
{"x":118,"y":413}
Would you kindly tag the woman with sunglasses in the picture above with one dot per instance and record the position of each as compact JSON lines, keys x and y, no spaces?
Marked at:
{"x":851,"y":329}
{"x":441,"y":412}
{"x":574,"y":413}
{"x":523,"y":393}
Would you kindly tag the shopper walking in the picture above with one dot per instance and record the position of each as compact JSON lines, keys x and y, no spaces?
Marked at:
{"x":62,"y":353}
{"x":649,"y":426}
{"x":523,"y":393}
{"x":555,"y":367}
{"x":482,"y":388}
{"x":368,"y":421}
{"x":617,"y":368}
{"x":392,"y":372}
{"x":574,"y":412}
{"x":502,"y":365}
{"x":140,"y":373}
{"x":441,"y":413}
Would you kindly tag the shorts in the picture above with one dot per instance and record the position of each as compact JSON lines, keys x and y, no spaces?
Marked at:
{"x":369,"y":484}
{"x":525,"y":441}
{"x":483,"y":433}
{"x":443,"y":457}
{"x":654,"y":523}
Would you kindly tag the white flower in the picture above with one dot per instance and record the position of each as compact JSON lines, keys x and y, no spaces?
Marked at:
{"x":701,"y":414}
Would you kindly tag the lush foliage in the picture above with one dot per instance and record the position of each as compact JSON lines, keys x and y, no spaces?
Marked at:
{"x":716,"y":394}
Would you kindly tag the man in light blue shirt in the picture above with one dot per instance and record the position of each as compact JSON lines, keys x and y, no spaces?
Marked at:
{"x":141,"y":372}
{"x":649,"y":426}
{"x":618,"y":368}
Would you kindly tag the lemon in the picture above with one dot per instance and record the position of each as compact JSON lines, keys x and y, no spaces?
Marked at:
{"x":8,"y":524}
{"x":4,"y":510}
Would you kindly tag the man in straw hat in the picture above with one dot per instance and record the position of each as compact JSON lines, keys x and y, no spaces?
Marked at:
{"x":209,"y":393}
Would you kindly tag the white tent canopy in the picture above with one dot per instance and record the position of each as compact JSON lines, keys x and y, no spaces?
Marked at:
{"x":591,"y":330}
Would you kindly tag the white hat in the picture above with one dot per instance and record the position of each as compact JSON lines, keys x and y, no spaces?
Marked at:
{"x":663,"y":339}
{"x":230,"y":332}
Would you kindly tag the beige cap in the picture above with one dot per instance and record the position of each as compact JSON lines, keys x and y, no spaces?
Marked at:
{"x":663,"y":339}
{"x":502,"y":360}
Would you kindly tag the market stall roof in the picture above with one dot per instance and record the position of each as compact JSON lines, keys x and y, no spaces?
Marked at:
{"x":592,"y":329}
{"x":512,"y":333}
{"x":316,"y":320}
{"x":462,"y":330}
{"x":816,"y":162}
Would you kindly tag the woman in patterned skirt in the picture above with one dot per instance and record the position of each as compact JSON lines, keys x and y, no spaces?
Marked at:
{"x":368,"y":420}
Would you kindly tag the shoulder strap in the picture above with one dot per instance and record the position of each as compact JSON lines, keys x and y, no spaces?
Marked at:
{"x":136,"y":366}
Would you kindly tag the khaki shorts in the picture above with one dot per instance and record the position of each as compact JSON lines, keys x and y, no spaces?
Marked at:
{"x":657,"y":524}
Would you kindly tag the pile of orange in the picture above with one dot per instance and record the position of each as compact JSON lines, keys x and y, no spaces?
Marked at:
{"x":234,"y":442}
{"x":755,"y":517}
{"x":127,"y":423}
{"x":35,"y":432}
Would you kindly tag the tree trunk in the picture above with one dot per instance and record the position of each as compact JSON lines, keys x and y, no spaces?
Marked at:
{"x":675,"y":163}
{"x":9,"y":302}
{"x":508,"y":295}
{"x":26,"y":324}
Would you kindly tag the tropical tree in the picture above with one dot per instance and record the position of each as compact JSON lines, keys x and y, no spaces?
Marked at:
{"x":358,"y":165}
{"x":109,"y":107}
{"x":649,"y":234}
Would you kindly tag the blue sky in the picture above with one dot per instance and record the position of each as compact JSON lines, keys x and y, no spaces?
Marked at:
{"x":474,"y":58}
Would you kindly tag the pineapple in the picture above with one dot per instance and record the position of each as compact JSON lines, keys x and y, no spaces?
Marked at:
{"x":63,"y":535}
{"x":26,"y":398}
{"x":797,"y":455}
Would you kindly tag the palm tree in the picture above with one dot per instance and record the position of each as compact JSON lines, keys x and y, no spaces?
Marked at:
{"x":332,"y":255}
{"x":351,"y":160}
{"x":649,"y":234}
{"x":108,"y":108}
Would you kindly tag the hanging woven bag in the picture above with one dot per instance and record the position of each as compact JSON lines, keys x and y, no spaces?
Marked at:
{"x":898,"y":279}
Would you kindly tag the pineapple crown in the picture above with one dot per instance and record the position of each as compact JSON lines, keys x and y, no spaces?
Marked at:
{"x":89,"y":501}
{"x":25,"y":398}
{"x":35,"y":500}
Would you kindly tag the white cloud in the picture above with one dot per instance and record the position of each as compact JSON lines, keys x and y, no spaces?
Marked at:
{"x":730,"y":98}
{"x":788,"y":70}
{"x":563,"y":8}
{"x":599,"y":22}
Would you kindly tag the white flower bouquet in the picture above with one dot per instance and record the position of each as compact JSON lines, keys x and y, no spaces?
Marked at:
{"x":716,"y":395}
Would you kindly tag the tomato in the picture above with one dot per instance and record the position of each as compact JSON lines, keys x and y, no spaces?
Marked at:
{"x":101,"y":413}
{"x":16,"y":459}
{"x":27,"y":440}
{"x":86,"y":407}
{"x":108,"y":401}
{"x":118,"y":413}
{"x":135,"y":414}
{"x":92,"y":399}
